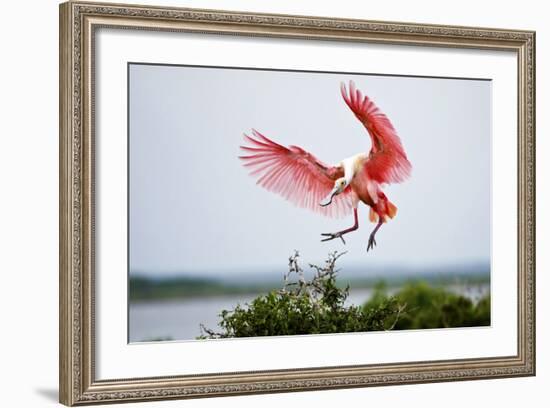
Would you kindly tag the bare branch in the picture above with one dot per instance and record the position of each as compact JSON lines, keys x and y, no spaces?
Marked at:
{"x":400,"y":309}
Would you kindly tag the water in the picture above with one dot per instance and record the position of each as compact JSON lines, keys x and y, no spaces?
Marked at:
{"x":181,"y":319}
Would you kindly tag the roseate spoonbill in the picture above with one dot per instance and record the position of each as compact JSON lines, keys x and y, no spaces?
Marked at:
{"x":335,"y":190}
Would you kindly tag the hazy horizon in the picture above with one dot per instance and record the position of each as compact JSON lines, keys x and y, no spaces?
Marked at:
{"x":350,"y":271}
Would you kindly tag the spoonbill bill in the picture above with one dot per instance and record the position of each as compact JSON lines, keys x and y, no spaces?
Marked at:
{"x":335,"y":190}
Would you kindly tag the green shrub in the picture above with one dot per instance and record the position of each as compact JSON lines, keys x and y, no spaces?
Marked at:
{"x":427,"y":307}
{"x":305,"y":307}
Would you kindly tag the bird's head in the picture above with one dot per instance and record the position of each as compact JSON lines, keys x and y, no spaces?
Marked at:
{"x":339,"y":186}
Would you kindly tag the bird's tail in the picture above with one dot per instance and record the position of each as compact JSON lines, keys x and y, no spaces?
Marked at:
{"x":390,"y":212}
{"x":391,"y":209}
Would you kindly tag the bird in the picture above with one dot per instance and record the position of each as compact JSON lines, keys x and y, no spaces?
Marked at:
{"x":335,"y":190}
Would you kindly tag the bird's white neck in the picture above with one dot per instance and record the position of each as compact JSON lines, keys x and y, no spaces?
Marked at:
{"x":351,"y":165}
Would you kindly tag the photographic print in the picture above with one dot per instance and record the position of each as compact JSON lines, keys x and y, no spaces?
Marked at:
{"x":276,"y":202}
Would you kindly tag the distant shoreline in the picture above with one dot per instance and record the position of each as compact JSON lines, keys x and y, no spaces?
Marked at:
{"x":144,"y":289}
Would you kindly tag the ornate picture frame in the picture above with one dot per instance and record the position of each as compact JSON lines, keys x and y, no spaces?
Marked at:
{"x":79,"y":22}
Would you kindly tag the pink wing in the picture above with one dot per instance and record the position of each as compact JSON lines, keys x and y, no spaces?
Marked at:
{"x":294,"y":174}
{"x":387,"y":161}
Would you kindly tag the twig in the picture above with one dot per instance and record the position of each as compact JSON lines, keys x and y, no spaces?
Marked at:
{"x":400,"y":309}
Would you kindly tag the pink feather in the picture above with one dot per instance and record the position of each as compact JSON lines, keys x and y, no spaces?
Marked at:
{"x":387,"y":162}
{"x":295,"y":174}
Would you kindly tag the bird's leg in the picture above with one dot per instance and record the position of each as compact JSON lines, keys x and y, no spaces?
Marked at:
{"x":332,"y":235}
{"x":372,"y":241}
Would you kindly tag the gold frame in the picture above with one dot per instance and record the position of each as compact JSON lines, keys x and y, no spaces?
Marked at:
{"x":78,"y":21}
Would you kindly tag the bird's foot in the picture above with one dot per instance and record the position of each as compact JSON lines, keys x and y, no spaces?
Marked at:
{"x":332,"y":235}
{"x":372,"y":243}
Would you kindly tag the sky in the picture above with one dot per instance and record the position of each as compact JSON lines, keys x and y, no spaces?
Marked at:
{"x":194,"y":210}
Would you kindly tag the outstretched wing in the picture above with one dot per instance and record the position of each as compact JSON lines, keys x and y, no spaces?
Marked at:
{"x":387,"y":161}
{"x":294,"y":174}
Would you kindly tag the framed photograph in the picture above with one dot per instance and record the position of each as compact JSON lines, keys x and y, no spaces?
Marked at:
{"x":255,"y":203}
